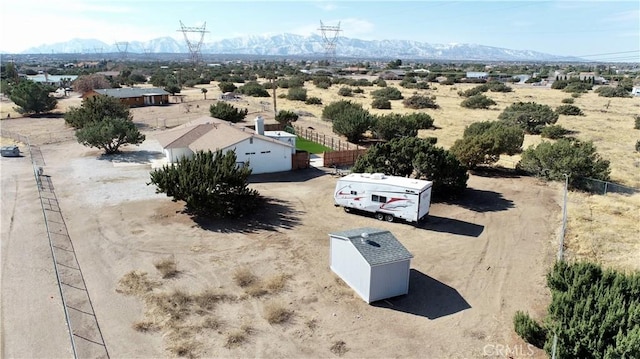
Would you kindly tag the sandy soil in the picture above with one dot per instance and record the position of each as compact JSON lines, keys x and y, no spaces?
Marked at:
{"x":473,"y":268}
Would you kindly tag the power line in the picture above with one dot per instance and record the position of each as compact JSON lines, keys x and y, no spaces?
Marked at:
{"x":611,"y":53}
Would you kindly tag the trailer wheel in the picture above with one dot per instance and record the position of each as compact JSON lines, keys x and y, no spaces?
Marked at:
{"x":379,"y":216}
{"x":388,"y":217}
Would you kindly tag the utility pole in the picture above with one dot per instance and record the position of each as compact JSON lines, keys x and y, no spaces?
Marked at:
{"x":274,"y":83}
{"x":564,"y":218}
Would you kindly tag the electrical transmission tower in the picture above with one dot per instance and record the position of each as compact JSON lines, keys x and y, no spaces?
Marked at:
{"x":194,"y":46}
{"x":122,"y":47}
{"x":330,"y":40}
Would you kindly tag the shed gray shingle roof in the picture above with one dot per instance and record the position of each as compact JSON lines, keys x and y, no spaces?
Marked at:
{"x":132,"y":92}
{"x":379,"y":247}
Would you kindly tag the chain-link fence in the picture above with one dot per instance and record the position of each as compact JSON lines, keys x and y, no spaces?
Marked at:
{"x":595,"y":186}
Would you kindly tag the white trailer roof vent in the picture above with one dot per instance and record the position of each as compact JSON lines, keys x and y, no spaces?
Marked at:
{"x":377,"y":176}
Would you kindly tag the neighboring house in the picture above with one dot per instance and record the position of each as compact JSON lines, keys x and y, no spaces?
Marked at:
{"x":635,"y":91}
{"x":263,"y":154}
{"x":371,"y":261}
{"x":477,"y":75}
{"x":53,"y":80}
{"x":134,"y":96}
{"x":393,"y":74}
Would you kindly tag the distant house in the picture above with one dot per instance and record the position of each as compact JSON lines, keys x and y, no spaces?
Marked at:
{"x":393,"y":74}
{"x":134,"y":97}
{"x":262,"y":153}
{"x":371,"y":261}
{"x":477,"y":75}
{"x":53,"y":80}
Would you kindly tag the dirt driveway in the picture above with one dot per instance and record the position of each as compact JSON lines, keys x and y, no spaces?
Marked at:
{"x":475,"y":263}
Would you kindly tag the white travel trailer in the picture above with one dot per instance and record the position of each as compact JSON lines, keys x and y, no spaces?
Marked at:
{"x":387,"y":197}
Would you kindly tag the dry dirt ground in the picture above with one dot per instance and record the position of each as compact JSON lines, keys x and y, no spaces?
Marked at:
{"x":477,"y":261}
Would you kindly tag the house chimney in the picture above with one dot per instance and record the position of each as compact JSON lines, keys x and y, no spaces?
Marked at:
{"x":259,"y":125}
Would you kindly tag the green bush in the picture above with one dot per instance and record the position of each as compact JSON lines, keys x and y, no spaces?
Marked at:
{"x":423,"y":85}
{"x":334,"y":109}
{"x":381,"y":104}
{"x":478,"y":101}
{"x":313,"y":101}
{"x":484,"y":142}
{"x":577,"y":87}
{"x":419,"y":102}
{"x":352,"y":123}
{"x":568,"y":100}
{"x":345,"y":91}
{"x":532,"y":117}
{"x":569,"y":110}
{"x":551,"y":161}
{"x":358,"y":90}
{"x":637,"y":123}
{"x":607,"y":91}
{"x":297,"y":94}
{"x":227,"y":112}
{"x":474,"y":91}
{"x":380,"y":83}
{"x":390,"y":93}
{"x":554,"y":132}
{"x":253,"y":89}
{"x":495,"y":86}
{"x":286,"y":117}
{"x":323,"y":82}
{"x":638,"y":146}
{"x":529,"y":330}
{"x":390,"y":126}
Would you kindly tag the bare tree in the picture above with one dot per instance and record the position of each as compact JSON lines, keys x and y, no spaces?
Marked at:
{"x":86,"y":83}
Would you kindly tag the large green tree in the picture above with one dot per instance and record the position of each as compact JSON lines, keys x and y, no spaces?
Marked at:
{"x":531,"y":116}
{"x":32,"y":98}
{"x":110,"y":134}
{"x":484,"y":142}
{"x":210,"y":184}
{"x":95,"y":109}
{"x":576,"y":159}
{"x":394,"y":125}
{"x":352,"y":123}
{"x":418,"y":158}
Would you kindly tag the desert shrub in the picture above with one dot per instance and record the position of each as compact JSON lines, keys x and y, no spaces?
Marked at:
{"x":339,"y":348}
{"x":323,"y":82}
{"x":577,"y":87}
{"x":286,"y":117}
{"x":474,"y":91}
{"x":237,"y":337}
{"x":408,"y":82}
{"x":559,"y":84}
{"x":419,"y":102}
{"x":637,"y":122}
{"x":551,"y":161}
{"x":569,"y":110}
{"x":282,"y":95}
{"x":390,"y":93}
{"x":495,"y":86}
{"x":576,"y":95}
{"x":276,"y":313}
{"x":227,"y":112}
{"x":297,"y":94}
{"x":358,"y":90}
{"x":243,"y":277}
{"x":528,"y":329}
{"x":638,"y":146}
{"x":478,"y":101}
{"x":227,"y":87}
{"x":484,"y":142}
{"x":363,"y":83}
{"x":568,"y":100}
{"x":277,"y":283}
{"x":394,"y":125}
{"x":136,"y":283}
{"x":381,"y":104}
{"x":380,"y":82}
{"x":253,"y":89}
{"x":554,"y":132}
{"x":448,"y":81}
{"x":168,"y":267}
{"x":530,"y":116}
{"x":345,"y":91}
{"x":330,"y":111}
{"x":422,"y":85}
{"x":607,"y":91}
{"x":352,"y":123}
{"x":313,"y":101}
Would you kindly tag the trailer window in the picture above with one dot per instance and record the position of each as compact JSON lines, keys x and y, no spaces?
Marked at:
{"x":376,"y":198}
{"x":354,"y":193}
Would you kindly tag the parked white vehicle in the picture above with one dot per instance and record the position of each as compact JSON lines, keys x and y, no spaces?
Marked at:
{"x":387,"y":197}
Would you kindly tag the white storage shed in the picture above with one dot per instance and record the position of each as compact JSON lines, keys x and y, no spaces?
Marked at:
{"x":371,"y":261}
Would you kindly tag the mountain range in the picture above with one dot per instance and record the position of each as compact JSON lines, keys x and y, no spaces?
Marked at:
{"x":298,"y":45}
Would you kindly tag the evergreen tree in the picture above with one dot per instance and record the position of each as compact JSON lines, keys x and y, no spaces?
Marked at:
{"x":32,"y":98}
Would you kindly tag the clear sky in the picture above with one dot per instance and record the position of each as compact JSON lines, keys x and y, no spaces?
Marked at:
{"x":597,"y":30}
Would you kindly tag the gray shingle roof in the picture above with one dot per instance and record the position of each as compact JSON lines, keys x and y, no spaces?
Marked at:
{"x":379,"y":246}
{"x":126,"y":92}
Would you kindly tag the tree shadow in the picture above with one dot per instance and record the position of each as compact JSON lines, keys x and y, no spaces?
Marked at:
{"x":300,"y":175}
{"x":273,"y":215}
{"x":427,"y":297}
{"x":497,"y":172}
{"x":482,"y":201}
{"x":451,"y":225}
{"x":139,"y":157}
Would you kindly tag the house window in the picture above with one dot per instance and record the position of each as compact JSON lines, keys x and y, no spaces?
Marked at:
{"x":354,"y":192}
{"x":265,"y":152}
{"x":249,"y":153}
{"x":376,"y":198}
{"x":251,"y":141}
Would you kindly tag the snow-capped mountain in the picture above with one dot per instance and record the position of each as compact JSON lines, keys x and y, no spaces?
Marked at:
{"x":297,"y":45}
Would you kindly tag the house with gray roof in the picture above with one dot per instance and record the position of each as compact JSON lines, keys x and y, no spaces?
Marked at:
{"x":371,"y":261}
{"x":134,"y":96}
